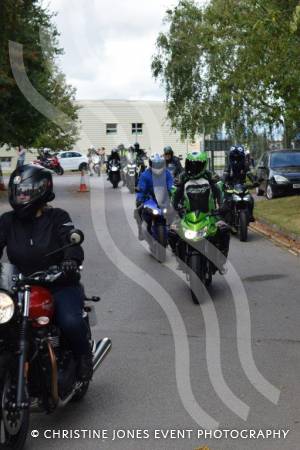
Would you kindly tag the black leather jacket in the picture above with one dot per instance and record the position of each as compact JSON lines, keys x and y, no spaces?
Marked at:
{"x":28,"y":241}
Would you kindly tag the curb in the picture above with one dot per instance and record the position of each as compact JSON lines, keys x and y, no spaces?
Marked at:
{"x":279,"y":237}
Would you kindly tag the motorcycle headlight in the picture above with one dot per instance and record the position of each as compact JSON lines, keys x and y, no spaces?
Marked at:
{"x":7,"y":308}
{"x":190,"y":234}
{"x":165,"y":211}
{"x":247,"y":198}
{"x":280,"y":179}
{"x":155,"y":212}
{"x":236,"y":198}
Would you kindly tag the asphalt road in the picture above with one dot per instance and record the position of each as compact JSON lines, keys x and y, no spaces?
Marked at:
{"x":137,"y":385}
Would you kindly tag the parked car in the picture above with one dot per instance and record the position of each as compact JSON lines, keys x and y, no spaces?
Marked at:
{"x":72,"y":160}
{"x":278,"y":173}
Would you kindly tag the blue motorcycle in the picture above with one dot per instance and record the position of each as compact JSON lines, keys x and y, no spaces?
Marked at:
{"x":154,"y":228}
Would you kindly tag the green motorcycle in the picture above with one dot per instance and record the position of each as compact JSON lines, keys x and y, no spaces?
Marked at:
{"x":197,"y":231}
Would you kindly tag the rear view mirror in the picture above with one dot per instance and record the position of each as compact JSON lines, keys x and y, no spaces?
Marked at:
{"x":76,"y":237}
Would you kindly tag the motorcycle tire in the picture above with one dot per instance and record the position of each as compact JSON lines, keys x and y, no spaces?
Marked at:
{"x":15,"y":440}
{"x":60,"y":171}
{"x":194,"y":275}
{"x":115,"y":180}
{"x":200,"y":272}
{"x":161,"y":244}
{"x":131,"y":186}
{"x":243,"y":226}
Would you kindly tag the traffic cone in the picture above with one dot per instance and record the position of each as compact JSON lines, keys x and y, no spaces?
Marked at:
{"x":83,"y":187}
{"x":2,"y":186}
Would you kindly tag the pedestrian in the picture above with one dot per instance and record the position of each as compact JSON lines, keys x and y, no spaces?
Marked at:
{"x":21,"y":156}
{"x":102,"y":154}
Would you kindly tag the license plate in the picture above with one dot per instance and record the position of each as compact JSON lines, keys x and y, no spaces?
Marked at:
{"x":296,"y":186}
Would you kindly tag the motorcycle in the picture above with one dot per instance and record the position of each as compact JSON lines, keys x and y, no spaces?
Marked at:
{"x":157,"y":233}
{"x":114,"y":173}
{"x":37,"y":367}
{"x":131,"y":174}
{"x":195,"y":232}
{"x":51,"y":163}
{"x":237,"y":199}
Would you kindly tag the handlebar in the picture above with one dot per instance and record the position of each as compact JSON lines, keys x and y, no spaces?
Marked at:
{"x":46,"y":276}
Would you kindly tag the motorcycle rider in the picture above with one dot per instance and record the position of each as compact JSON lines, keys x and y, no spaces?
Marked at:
{"x":90,"y":154}
{"x":156,"y":176}
{"x":140,"y":157}
{"x":193,"y":175}
{"x":114,"y":156}
{"x":31,"y":231}
{"x":173,"y":162}
{"x":236,"y":173}
{"x":44,"y":155}
{"x":123,"y":159}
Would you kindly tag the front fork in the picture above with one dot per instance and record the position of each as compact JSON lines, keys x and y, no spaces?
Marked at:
{"x":23,"y":346}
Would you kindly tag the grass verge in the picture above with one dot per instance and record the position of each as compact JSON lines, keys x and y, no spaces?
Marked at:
{"x":282,"y":212}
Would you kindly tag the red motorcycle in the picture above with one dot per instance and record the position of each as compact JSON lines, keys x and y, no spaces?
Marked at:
{"x":37,"y":367}
{"x":51,"y":163}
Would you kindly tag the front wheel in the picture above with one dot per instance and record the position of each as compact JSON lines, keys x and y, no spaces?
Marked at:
{"x":14,"y":423}
{"x":131,"y":185}
{"x":270,"y":192}
{"x":59,"y":170}
{"x":195,"y":270}
{"x":243,"y":226}
{"x":161,"y":244}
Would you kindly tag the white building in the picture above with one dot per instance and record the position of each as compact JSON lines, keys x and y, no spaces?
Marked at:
{"x":108,"y":123}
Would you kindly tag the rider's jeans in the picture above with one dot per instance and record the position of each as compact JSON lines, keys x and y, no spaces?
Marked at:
{"x":68,"y":302}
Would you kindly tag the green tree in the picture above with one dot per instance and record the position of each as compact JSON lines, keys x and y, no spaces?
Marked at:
{"x":233,"y":62}
{"x":20,"y":123}
{"x":53,"y":136}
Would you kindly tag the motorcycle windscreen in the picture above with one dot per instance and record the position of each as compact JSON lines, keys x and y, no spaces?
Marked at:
{"x":199,"y":198}
{"x":7,"y":271}
{"x":240,"y":188}
{"x":160,"y":189}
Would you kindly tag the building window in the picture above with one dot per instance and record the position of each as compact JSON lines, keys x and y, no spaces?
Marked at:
{"x":111,"y":128}
{"x":137,"y":128}
{"x":5,"y":162}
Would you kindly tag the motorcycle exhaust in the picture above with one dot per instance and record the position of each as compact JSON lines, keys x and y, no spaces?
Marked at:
{"x":102,"y":349}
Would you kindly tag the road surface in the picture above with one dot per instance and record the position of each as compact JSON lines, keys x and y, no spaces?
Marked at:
{"x":136,"y":387}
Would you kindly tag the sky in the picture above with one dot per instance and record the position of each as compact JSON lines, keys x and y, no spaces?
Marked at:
{"x":109,"y":46}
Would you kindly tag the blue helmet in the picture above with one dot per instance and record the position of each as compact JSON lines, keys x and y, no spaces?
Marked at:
{"x":157,"y":164}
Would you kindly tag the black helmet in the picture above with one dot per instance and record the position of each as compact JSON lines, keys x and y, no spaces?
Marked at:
{"x":30,"y":187}
{"x":237,"y":154}
{"x":168,"y":150}
{"x":136,"y":146}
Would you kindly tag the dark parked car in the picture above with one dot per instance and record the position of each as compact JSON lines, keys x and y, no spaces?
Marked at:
{"x":278,"y":173}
